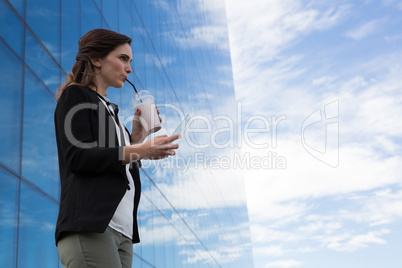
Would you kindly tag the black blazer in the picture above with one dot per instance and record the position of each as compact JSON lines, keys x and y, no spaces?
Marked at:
{"x":93,"y":179}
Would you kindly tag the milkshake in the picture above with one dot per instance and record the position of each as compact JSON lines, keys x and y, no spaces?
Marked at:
{"x":149,"y":117}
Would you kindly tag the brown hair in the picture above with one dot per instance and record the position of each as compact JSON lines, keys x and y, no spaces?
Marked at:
{"x":95,"y":44}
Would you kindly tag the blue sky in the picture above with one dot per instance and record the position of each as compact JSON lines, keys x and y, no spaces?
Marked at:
{"x":294,"y":58}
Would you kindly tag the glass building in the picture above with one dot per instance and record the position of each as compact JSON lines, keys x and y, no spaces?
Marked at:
{"x":193,"y":210}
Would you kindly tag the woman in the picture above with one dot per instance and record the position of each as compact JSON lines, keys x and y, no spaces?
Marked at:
{"x":98,"y":158}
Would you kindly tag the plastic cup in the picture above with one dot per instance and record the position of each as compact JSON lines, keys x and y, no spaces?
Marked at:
{"x":149,"y":117}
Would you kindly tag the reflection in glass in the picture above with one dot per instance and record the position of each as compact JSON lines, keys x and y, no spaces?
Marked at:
{"x":12,"y":28}
{"x":8,"y":218}
{"x":70,"y":33}
{"x":10,"y":103}
{"x":43,"y":17}
{"x":39,"y":141}
{"x":37,"y":223}
{"x":39,"y":60}
{"x":111,"y":16}
{"x":125,"y":18}
{"x":19,"y":6}
{"x":90,"y":16}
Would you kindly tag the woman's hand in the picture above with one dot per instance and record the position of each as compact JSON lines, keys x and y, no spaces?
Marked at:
{"x":138,"y":133}
{"x":156,"y":148}
{"x":160,"y":147}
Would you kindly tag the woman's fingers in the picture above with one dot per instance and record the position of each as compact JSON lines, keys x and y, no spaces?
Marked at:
{"x":161,"y":146}
{"x":168,"y":146}
{"x":173,"y":138}
{"x":166,"y":140}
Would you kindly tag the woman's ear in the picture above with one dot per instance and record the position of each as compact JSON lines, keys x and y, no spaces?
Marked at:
{"x":96,"y":62}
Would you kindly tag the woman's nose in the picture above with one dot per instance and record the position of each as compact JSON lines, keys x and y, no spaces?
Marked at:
{"x":128,"y":69}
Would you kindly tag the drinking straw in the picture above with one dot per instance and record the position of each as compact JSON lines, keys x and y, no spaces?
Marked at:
{"x":134,"y":89}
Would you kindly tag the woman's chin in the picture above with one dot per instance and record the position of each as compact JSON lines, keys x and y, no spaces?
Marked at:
{"x":119,"y":85}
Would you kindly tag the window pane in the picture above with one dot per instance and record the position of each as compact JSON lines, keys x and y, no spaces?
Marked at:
{"x":41,"y":63}
{"x":160,"y":239}
{"x":43,"y":17}
{"x":38,"y":217}
{"x":139,"y":262}
{"x":10,"y":102}
{"x":90,"y":16}
{"x":98,"y":3}
{"x":70,"y":33}
{"x":109,"y":9}
{"x":169,"y":246}
{"x":145,"y":222}
{"x":8,"y":218}
{"x":12,"y":28}
{"x":105,"y":25}
{"x":39,"y":156}
{"x":125,"y":18}
{"x":18,"y":5}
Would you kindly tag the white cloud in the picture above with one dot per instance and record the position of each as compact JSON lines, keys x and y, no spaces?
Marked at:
{"x":359,"y":241}
{"x":367,"y":29}
{"x":325,"y":80}
{"x":346,"y":228}
{"x":221,"y":256}
{"x":359,"y":169}
{"x":269,"y":251}
{"x":201,"y":96}
{"x":283,"y":264}
{"x":329,"y":227}
{"x":202,"y":37}
{"x":161,"y":61}
{"x":203,"y":188}
{"x":394,"y":37}
{"x":162,"y":4}
{"x":211,"y":30}
{"x":259,"y":30}
{"x":382,"y":208}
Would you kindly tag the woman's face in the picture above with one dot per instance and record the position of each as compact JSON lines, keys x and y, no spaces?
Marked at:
{"x":114,"y":68}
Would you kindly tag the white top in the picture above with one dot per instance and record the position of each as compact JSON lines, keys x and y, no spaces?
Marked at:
{"x":122,"y":220}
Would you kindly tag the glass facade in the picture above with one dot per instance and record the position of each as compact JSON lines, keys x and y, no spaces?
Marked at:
{"x":192,"y":213}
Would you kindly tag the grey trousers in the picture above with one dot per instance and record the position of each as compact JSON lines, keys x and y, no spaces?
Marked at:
{"x":110,"y":249}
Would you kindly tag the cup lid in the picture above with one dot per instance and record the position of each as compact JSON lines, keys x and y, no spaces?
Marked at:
{"x":143,"y":95}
